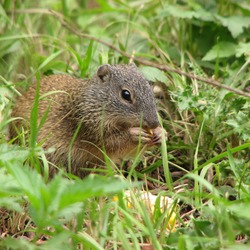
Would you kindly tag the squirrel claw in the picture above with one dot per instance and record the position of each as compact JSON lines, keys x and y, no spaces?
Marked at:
{"x":158,"y":136}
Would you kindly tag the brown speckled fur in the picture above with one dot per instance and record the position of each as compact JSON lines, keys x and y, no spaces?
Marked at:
{"x":96,"y":105}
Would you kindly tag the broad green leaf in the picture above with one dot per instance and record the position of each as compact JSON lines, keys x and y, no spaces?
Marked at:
{"x":243,"y":49}
{"x":204,"y":15}
{"x":241,"y":210}
{"x":203,"y":227}
{"x":8,"y":184}
{"x":29,"y":181}
{"x":10,"y":203}
{"x":235,"y":24}
{"x":220,"y":50}
{"x":59,"y":241}
{"x":60,"y":197}
{"x":154,"y":74}
{"x":10,"y":153}
{"x":90,"y":186}
{"x":17,"y":244}
{"x":179,"y":12}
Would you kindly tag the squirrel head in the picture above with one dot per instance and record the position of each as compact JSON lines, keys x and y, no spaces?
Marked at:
{"x":125,"y":96}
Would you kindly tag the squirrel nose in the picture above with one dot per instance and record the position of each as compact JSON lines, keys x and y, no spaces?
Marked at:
{"x":151,"y":124}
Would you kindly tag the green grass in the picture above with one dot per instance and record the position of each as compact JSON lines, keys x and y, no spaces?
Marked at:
{"x":205,"y":165}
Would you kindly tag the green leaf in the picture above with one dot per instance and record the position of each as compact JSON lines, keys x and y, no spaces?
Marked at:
{"x":183,"y":13}
{"x":60,"y":197}
{"x":86,"y":61}
{"x":241,"y":125}
{"x":243,"y":49}
{"x":12,"y":153}
{"x":8,"y":184}
{"x":178,"y":12}
{"x":90,"y":186}
{"x":49,"y":59}
{"x":59,"y":241}
{"x":203,"y":227}
{"x":10,"y":203}
{"x":220,"y":50}
{"x":204,"y":15}
{"x":241,"y":209}
{"x":235,"y":24}
{"x":12,"y":243}
{"x":34,"y":116}
{"x":154,"y":74}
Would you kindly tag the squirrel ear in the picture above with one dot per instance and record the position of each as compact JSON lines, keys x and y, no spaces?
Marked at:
{"x":103,"y":71}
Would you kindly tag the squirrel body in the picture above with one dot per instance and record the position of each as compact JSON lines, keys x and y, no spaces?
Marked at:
{"x":111,"y":112}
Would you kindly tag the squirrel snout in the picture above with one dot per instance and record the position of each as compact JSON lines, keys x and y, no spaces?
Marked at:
{"x":151,"y":124}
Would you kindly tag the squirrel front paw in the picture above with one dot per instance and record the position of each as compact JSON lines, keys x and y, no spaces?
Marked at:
{"x":157,"y":135}
{"x":150,"y":136}
{"x":139,"y":134}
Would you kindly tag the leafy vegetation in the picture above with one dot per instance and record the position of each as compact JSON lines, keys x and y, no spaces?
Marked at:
{"x":208,"y":149}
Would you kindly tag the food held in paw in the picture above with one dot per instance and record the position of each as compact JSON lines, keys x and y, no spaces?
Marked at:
{"x":150,"y":131}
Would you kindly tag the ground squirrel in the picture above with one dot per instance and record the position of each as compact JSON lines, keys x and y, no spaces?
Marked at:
{"x":113,"y":111}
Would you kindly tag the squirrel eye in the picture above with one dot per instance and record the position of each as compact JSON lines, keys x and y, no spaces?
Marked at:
{"x":126,"y":95}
